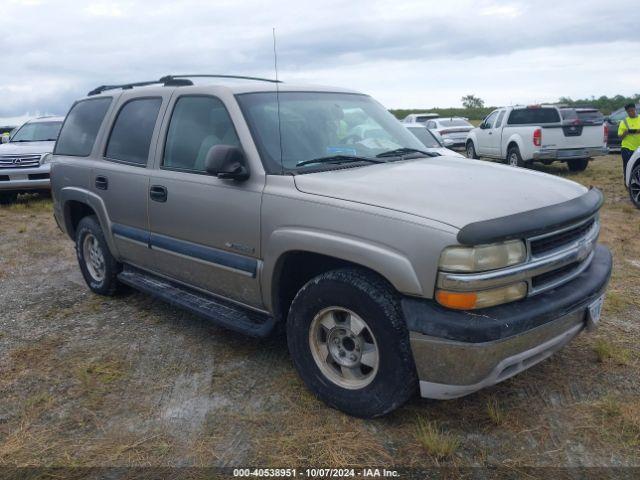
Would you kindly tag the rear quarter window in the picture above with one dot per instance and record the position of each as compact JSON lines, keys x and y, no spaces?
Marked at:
{"x":526,"y":116}
{"x":81,"y":127}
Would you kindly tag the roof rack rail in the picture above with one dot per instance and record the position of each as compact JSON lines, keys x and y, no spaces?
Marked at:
{"x":167,"y":82}
{"x":174,"y":81}
{"x":170,"y":78}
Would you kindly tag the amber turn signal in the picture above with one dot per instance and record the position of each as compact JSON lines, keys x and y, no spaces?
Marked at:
{"x":457,"y":300}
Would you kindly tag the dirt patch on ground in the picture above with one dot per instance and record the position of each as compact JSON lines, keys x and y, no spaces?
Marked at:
{"x":92,"y":381}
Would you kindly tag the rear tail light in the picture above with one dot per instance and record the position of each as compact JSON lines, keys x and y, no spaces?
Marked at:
{"x":537,"y":137}
{"x":606,"y":133}
{"x":444,"y":132}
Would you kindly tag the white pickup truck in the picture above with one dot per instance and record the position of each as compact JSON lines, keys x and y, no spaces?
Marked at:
{"x":522,"y":135}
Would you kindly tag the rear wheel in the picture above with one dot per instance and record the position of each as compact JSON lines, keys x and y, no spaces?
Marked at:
{"x":349,"y":342}
{"x":578,"y":164}
{"x":97,"y":265}
{"x":514,"y":158}
{"x":471,"y":150}
{"x":8,"y":197}
{"x":634,"y":186}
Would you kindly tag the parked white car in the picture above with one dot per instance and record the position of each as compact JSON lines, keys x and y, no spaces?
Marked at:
{"x":23,"y":159}
{"x":521,"y":135}
{"x":453,"y":130}
{"x":430,"y":140}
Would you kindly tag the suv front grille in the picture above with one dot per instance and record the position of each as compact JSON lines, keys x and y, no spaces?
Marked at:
{"x":19,"y":161}
{"x":555,"y":241}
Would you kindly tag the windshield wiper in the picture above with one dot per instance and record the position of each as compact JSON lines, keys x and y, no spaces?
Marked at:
{"x":399,"y":152}
{"x":338,"y":159}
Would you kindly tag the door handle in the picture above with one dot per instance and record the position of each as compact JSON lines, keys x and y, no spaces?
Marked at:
{"x":102,"y":183}
{"x":158,"y":193}
{"x":490,"y":133}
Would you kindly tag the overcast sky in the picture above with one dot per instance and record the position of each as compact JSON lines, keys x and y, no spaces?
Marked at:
{"x":407,"y":54}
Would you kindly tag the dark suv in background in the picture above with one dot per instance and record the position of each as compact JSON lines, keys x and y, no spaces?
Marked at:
{"x":613,"y":121}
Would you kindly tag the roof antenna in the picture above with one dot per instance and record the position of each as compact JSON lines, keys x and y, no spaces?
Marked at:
{"x":275,"y":66}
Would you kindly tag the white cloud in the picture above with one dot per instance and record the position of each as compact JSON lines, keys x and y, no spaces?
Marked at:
{"x":405,"y":52}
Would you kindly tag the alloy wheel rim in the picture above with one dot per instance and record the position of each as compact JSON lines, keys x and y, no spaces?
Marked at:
{"x":469,"y":151}
{"x":93,"y":257}
{"x":344,"y":348}
{"x":634,"y":186}
{"x":513,"y":160}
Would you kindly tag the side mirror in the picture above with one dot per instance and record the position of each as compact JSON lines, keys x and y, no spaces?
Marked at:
{"x":227,"y":162}
{"x":483,"y":126}
{"x":5,"y":138}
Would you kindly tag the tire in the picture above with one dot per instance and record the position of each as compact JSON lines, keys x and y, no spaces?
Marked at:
{"x":7,"y":198}
{"x":97,"y":265}
{"x":634,"y":186}
{"x":514,"y":158}
{"x":357,"y":313}
{"x":471,"y":151}
{"x":578,"y":164}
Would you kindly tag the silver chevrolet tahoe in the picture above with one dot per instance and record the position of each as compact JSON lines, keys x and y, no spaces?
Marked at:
{"x":24,"y":157}
{"x":256,"y":204}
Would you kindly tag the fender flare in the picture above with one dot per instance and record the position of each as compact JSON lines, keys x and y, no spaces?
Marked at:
{"x":514,"y":138}
{"x":382,"y":259}
{"x":68,"y":194}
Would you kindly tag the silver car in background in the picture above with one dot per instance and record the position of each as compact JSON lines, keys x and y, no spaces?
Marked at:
{"x":431,"y":140}
{"x":453,"y":130}
{"x":24,"y":158}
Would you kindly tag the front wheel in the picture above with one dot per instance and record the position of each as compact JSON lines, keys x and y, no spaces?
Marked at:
{"x":471,"y":151}
{"x":349,"y":342}
{"x":578,"y":164}
{"x":634,"y":186}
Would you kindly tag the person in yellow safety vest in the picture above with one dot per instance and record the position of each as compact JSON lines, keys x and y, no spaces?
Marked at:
{"x":629,"y":132}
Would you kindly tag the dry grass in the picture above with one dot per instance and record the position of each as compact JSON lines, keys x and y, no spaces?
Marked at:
{"x":608,"y":352}
{"x":495,"y":411}
{"x":434,"y":441}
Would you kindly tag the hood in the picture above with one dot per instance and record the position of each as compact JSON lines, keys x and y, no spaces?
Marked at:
{"x":26,"y":148}
{"x":451,"y":190}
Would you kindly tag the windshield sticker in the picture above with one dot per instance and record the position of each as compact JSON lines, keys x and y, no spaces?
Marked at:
{"x":341,"y":150}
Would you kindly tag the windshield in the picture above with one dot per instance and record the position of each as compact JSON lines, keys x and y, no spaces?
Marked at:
{"x":425,"y":137}
{"x":454,"y":122}
{"x":37,"y":132}
{"x":316,"y":125}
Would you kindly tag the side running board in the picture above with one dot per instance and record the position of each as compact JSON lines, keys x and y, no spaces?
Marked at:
{"x":221,"y":312}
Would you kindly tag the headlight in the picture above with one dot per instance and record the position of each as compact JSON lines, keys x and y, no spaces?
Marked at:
{"x":46,"y":158}
{"x":483,"y":258}
{"x":483,"y":298}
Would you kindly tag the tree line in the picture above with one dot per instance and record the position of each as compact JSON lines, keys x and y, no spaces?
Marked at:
{"x":474,"y":108}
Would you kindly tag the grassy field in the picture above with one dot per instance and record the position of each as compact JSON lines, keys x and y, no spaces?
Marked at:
{"x":93,"y":381}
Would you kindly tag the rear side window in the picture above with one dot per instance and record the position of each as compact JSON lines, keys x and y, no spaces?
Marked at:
{"x":197,"y":124}
{"x":524,"y":116}
{"x":81,"y":127}
{"x":499,"y":121}
{"x":132,"y":131}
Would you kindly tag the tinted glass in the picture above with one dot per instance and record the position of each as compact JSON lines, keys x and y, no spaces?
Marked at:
{"x":38,"y":132}
{"x":425,"y":137}
{"x":618,"y":115}
{"x":454,"y":122}
{"x":132,"y":131}
{"x":316,"y":125}
{"x":590,"y":116}
{"x":423,"y":118}
{"x":523,"y":116}
{"x":568,"y":114}
{"x":81,"y":127}
{"x":490,"y":119}
{"x":197,"y":124}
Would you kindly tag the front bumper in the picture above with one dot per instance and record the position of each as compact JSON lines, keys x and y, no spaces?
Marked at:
{"x":569,"y":153}
{"x":459,"y":352}
{"x":33,"y":178}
